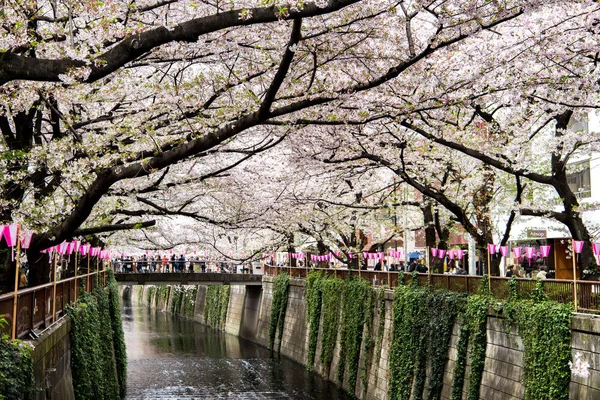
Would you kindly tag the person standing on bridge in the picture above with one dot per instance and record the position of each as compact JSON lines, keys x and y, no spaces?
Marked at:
{"x":165,"y":264}
{"x":173,"y":263}
{"x":181,"y":263}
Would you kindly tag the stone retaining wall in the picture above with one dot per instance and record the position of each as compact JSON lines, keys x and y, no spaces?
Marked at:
{"x":249,"y":316}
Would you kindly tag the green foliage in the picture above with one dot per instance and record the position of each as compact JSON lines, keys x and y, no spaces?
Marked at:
{"x":443,"y":309}
{"x":189,"y":300}
{"x":16,"y":369}
{"x":105,"y":343}
{"x":476,"y":318}
{"x":161,"y":296}
{"x":278,"y":308}
{"x":372,"y":298}
{"x":544,"y":327}
{"x":408,"y":339}
{"x":545,"y":330}
{"x":215,"y":305}
{"x":92,"y":352}
{"x":176,"y":299}
{"x":313,"y":298}
{"x":357,"y":297}
{"x":118,"y":338}
{"x":461,"y":362}
{"x":332,"y":296}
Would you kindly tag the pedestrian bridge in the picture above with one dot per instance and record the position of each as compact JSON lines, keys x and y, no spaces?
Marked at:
{"x":177,"y":278}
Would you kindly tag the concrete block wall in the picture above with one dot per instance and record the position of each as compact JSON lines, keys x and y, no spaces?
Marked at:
{"x":52,"y":363}
{"x":235,"y":309}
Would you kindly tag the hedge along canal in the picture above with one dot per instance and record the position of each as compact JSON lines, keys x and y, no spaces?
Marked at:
{"x":83,"y":356}
{"x":413,"y":342}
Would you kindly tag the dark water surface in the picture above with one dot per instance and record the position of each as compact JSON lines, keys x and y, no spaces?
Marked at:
{"x":173,"y":358}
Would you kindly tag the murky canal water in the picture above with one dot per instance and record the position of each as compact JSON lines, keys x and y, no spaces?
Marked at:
{"x":172,"y":358}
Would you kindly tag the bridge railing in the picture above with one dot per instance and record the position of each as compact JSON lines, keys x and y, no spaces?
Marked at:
{"x":588,"y":292}
{"x":40,"y":306}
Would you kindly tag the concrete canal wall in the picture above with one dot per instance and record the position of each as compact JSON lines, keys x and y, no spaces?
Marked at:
{"x":248,"y":315}
{"x":52,"y":363}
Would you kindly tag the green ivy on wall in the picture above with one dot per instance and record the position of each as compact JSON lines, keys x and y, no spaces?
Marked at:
{"x":107,"y":358}
{"x":313,"y":297}
{"x":443,"y":310}
{"x":278,"y":308}
{"x":93,"y":363}
{"x":408,"y":339}
{"x":215,"y":305}
{"x":357,"y":298}
{"x":461,"y":362}
{"x":176,"y":298}
{"x":332,"y":293}
{"x":118,"y":338}
{"x":476,"y":317}
{"x":16,"y":368}
{"x":544,"y":327}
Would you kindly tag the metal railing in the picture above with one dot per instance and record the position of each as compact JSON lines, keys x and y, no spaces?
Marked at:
{"x":588,"y":292}
{"x":37,"y":308}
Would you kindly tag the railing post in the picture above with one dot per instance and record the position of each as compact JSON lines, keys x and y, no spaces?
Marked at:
{"x":16,"y":298}
{"x":574,"y":273}
{"x":54,"y":288}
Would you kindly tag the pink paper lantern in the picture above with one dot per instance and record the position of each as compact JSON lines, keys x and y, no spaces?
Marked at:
{"x":491,"y":248}
{"x":434,"y":251}
{"x":578,"y":246}
{"x":451,"y":254}
{"x":441,"y":253}
{"x":596,"y":248}
{"x":460,"y":254}
{"x":26,"y":239}
{"x":517,"y":252}
{"x":545,"y":250}
{"x":504,"y":251}
{"x":529,"y":251}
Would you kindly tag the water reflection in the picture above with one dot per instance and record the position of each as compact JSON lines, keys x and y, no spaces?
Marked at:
{"x":172,"y":358}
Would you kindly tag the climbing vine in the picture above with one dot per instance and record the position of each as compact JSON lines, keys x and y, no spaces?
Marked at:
{"x":408,"y":339}
{"x":278,"y":308}
{"x":545,"y":330}
{"x":92,"y":356}
{"x":313,"y":298}
{"x":215,"y":305}
{"x":118,"y":338}
{"x":443,"y":309}
{"x":331,"y":292}
{"x":380,"y":330}
{"x":461,"y":362}
{"x":183,"y":300}
{"x":476,"y":318}
{"x":357,"y":298}
{"x":540,"y":322}
{"x":371,"y":298}
{"x":105,"y":344}
{"x":16,"y":368}
{"x":176,"y":298}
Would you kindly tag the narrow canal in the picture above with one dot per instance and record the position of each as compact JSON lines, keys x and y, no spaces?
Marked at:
{"x":173,"y":358}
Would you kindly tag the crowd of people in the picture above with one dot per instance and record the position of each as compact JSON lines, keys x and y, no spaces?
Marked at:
{"x":143,"y":264}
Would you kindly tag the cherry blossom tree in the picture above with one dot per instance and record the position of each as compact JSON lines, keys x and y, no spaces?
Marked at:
{"x":109,"y":106}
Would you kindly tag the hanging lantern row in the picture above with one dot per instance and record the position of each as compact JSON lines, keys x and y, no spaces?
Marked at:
{"x":9,"y":233}
{"x":68,"y":248}
{"x":441,"y":253}
{"x":531,"y":252}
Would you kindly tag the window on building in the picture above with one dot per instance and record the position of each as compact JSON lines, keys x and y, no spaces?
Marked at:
{"x":578,"y":178}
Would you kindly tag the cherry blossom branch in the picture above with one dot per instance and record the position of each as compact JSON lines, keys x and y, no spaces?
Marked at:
{"x":113,"y":228}
{"x":14,"y":66}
